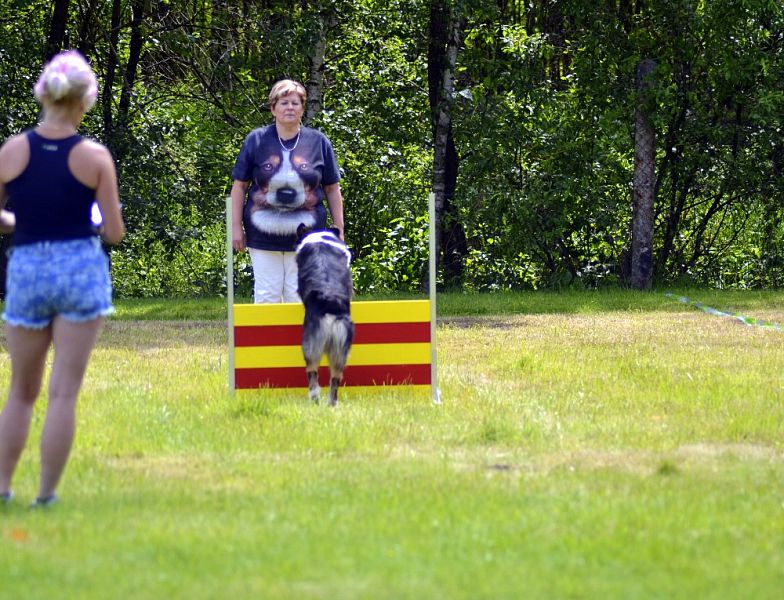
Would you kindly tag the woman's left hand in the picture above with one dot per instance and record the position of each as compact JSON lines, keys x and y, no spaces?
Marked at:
{"x":7,"y":221}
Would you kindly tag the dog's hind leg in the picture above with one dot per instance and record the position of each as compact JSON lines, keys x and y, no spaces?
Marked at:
{"x":334,"y":383}
{"x":312,"y":349}
{"x":340,"y":344}
{"x":337,"y":364}
{"x":314,"y":391}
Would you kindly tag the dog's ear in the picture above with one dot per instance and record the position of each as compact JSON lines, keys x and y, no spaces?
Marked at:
{"x":334,"y":231}
{"x":302,"y":231}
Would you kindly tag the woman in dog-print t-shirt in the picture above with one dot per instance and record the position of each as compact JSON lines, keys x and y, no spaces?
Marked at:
{"x":282,"y":176}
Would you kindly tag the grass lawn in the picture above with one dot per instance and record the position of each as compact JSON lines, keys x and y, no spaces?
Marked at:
{"x":608,"y":444}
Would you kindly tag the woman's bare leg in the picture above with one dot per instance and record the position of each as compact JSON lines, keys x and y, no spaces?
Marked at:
{"x":27,"y":348}
{"x":73,"y":343}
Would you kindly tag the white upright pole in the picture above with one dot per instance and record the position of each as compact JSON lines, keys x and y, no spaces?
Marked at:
{"x":230,"y":292}
{"x":431,"y":201}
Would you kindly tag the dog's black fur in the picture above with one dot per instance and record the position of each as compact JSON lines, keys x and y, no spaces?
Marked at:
{"x":325,"y":287}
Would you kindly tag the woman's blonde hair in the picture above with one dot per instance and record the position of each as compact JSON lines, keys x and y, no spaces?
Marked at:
{"x":284,"y":87}
{"x":67,"y":78}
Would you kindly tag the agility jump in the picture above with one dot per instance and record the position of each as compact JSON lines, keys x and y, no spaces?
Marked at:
{"x":394,"y":342}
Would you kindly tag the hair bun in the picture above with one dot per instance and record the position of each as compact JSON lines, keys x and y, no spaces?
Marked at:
{"x":57,"y":86}
{"x":67,"y":76}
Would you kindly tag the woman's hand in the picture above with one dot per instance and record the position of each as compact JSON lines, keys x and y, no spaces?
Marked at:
{"x":237,"y":238}
{"x":237,"y":195}
{"x":7,"y":221}
{"x":335,"y":202}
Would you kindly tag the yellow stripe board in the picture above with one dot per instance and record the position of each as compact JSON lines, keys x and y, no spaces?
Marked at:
{"x":268,"y":314}
{"x":361,"y":355}
{"x":372,"y":311}
{"x":397,"y":311}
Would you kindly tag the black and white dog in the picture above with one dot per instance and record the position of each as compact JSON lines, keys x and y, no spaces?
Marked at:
{"x":325,"y":287}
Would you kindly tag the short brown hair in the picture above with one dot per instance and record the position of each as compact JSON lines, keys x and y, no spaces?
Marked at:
{"x":284,"y":87}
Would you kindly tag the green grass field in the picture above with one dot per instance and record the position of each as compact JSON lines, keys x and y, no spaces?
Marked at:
{"x":606,"y":444}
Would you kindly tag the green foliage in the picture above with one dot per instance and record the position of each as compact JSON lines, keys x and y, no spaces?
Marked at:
{"x":20,"y":64}
{"x":552,"y":165}
{"x":395,"y":263}
{"x":543,"y":123}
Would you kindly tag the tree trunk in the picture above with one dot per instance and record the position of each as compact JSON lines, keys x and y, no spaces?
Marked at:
{"x":644,"y":182}
{"x":56,"y":37}
{"x":134,"y":54}
{"x":446,"y":27}
{"x":316,"y":65}
{"x":88,"y":17}
{"x":111,"y":71}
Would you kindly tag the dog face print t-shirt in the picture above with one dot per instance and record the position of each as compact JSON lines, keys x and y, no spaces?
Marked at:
{"x":286,"y":179}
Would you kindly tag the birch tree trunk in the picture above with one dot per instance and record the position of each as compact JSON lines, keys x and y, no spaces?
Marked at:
{"x":644,"y":182}
{"x":316,"y":64}
{"x":442,"y":59}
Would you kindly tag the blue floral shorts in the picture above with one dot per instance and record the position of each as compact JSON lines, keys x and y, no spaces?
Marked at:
{"x":46,"y":279}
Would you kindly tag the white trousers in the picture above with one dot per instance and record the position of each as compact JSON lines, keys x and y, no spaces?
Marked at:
{"x":274,"y":276}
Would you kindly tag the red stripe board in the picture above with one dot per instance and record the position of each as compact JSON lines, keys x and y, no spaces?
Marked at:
{"x":365,"y":333}
{"x":267,"y":335}
{"x":295,"y":377}
{"x":392,"y":333}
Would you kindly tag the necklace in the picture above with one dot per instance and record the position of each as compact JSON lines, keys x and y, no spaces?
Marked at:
{"x":282,"y":145}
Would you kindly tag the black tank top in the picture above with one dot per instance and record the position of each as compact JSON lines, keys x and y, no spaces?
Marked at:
{"x":50,"y":204}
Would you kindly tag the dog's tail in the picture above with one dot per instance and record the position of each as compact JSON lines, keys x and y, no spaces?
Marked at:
{"x":339,"y":334}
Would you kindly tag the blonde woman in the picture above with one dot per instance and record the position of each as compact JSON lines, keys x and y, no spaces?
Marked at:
{"x":282,"y":176}
{"x":57,"y":288}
